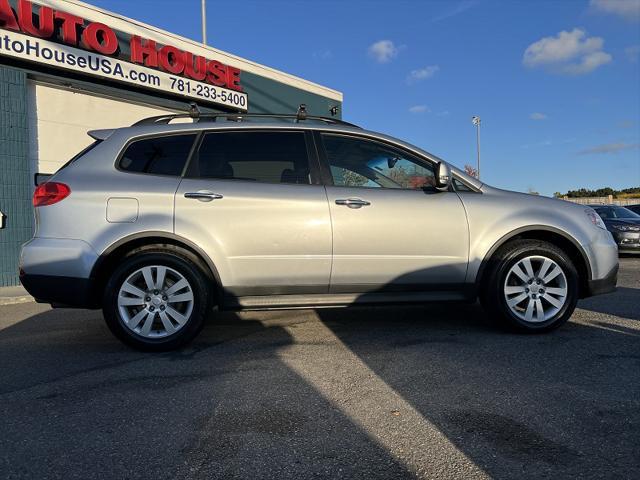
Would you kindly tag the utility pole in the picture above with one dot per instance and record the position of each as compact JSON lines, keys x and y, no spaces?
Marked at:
{"x":476,"y":121}
{"x":204,"y":22}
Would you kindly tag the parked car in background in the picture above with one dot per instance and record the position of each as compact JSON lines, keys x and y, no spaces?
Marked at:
{"x":634,"y":208}
{"x":159,"y":222}
{"x":624,"y":225}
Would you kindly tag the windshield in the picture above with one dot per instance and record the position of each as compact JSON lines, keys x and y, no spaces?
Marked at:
{"x":616,"y":212}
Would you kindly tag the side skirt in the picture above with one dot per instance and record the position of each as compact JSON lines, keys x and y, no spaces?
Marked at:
{"x":325,"y":300}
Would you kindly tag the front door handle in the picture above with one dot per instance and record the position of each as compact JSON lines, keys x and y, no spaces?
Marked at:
{"x":353,"y":202}
{"x":203,"y":195}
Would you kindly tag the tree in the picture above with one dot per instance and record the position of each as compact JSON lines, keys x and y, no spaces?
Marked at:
{"x":600,"y":192}
{"x":471,"y":171}
{"x":352,"y":179}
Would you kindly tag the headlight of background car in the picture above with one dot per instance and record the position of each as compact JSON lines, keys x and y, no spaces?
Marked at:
{"x":595,"y":218}
{"x":626,"y":228}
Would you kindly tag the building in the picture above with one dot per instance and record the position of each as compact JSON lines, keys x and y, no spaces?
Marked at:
{"x":67,"y":67}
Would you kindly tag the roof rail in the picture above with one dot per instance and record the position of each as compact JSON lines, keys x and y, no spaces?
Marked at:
{"x":197,"y":117}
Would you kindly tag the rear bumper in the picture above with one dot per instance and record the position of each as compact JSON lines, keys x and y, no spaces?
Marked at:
{"x":604,"y":285}
{"x":60,"y":291}
{"x":58,"y":271}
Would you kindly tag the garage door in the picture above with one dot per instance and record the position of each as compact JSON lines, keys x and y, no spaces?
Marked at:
{"x":59,"y":119}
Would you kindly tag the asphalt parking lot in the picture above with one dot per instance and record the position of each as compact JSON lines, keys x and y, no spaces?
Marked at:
{"x":429,"y":392}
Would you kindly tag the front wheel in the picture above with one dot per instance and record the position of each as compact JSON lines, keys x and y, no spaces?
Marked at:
{"x":532,"y":286}
{"x":156,"y":300}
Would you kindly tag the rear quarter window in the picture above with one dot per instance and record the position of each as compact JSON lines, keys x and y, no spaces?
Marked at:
{"x":158,"y":155}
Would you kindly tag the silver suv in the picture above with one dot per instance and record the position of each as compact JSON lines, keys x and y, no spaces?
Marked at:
{"x":160,"y":222}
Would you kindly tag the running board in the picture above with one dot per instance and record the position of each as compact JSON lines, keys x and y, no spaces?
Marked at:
{"x":338,"y":300}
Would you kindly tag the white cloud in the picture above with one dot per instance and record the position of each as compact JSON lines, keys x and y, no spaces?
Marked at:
{"x":570,"y":53}
{"x":419,"y":109}
{"x":588,"y":63}
{"x":543,"y":143}
{"x":323,"y":55}
{"x":422,"y":73}
{"x":609,"y":148}
{"x":633,"y":53}
{"x":383,"y":51}
{"x":457,"y":10}
{"x":627,"y":9}
{"x":538,"y":116}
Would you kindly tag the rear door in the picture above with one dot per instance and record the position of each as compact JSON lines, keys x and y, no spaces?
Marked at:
{"x":392,"y":230}
{"x":252,"y":200}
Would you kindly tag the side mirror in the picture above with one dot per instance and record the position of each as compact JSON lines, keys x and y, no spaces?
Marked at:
{"x":40,"y":178}
{"x":443,"y":177}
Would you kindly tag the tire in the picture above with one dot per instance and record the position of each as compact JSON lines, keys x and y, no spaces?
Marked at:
{"x":511,"y":294}
{"x":162,"y":318}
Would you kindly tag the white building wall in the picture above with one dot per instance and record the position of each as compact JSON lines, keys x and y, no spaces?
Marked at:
{"x":59,"y":119}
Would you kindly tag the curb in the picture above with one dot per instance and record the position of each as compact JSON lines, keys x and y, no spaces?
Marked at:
{"x":16,"y":300}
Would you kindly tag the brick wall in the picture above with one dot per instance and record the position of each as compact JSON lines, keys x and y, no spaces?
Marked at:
{"x":15,"y":180}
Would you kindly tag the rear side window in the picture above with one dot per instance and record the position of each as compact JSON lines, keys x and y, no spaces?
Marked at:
{"x":158,"y":155}
{"x":270,"y":157}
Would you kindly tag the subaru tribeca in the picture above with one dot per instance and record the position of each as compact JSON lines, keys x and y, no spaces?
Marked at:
{"x":161,"y":222}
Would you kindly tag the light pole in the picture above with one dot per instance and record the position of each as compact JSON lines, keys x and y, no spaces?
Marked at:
{"x":204,"y":22}
{"x":476,"y":121}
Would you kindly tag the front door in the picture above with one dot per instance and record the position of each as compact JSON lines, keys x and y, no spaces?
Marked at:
{"x":392,"y":230}
{"x":250,"y":202}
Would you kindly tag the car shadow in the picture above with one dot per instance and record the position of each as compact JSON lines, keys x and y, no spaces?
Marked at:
{"x":624,"y":302}
{"x":375,"y":392}
{"x":558,"y":405}
{"x":74,"y":402}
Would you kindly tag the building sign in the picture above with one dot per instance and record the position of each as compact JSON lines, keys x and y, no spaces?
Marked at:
{"x":65,"y":41}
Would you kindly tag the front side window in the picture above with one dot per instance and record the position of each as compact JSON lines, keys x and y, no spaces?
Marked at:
{"x":158,"y":155}
{"x":357,"y":162}
{"x":270,"y":157}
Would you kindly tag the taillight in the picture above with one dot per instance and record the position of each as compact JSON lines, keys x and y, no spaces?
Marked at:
{"x":49,"y":193}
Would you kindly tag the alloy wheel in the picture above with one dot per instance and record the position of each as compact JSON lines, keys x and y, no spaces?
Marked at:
{"x":155,"y":301}
{"x":535,"y":289}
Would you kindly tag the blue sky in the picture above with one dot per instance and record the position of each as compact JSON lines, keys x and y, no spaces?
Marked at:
{"x":556,"y":83}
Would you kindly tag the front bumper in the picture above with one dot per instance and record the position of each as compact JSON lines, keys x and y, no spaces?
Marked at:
{"x":602,"y":255}
{"x":628,"y":242}
{"x":604,"y":285}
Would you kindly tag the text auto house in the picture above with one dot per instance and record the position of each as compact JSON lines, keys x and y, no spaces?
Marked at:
{"x":67,"y":67}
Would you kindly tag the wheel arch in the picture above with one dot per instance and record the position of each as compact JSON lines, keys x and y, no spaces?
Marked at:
{"x":553,"y":235}
{"x":108,"y":259}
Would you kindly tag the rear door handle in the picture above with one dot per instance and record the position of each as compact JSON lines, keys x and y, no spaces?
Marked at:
{"x":203,"y":195}
{"x":353,"y":202}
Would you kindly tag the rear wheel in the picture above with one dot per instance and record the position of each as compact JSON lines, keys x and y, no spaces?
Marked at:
{"x":156,"y":300}
{"x":532,"y":286}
